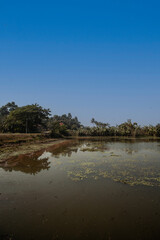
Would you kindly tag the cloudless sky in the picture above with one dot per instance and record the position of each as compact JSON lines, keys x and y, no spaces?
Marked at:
{"x":96,"y":59}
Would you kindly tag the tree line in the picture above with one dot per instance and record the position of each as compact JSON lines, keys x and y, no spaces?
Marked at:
{"x":34,"y":119}
{"x":128,"y":129}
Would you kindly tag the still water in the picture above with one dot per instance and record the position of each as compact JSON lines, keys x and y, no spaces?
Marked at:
{"x":83,"y":190}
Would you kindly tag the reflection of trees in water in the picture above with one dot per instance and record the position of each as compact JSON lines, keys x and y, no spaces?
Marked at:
{"x":131,"y":148}
{"x":34,"y":163}
{"x":27,"y":164}
{"x":137,"y":169}
{"x":64,"y":151}
{"x":99,"y":146}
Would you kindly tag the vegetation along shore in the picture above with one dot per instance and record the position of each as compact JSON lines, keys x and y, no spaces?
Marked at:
{"x":31,"y":128}
{"x":36,"y":119}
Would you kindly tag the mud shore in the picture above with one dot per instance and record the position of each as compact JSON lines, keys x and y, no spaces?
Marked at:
{"x":14,"y":145}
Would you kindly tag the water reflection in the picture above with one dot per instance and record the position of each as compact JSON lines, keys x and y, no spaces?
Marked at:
{"x":34,"y":163}
{"x":128,"y":162}
{"x":133,"y":164}
{"x":79,"y":197}
{"x":27,"y":164}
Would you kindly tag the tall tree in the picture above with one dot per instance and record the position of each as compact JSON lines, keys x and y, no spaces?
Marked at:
{"x":68,"y":121}
{"x":30,"y":118}
{"x":4,"y":112}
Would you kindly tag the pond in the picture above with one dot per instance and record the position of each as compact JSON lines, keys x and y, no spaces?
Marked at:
{"x":99,"y":189}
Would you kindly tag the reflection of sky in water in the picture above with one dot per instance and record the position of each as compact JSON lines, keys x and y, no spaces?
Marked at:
{"x":130,"y":163}
{"x":45,"y":155}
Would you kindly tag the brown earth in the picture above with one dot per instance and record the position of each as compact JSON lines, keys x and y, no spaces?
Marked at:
{"x":12,"y":145}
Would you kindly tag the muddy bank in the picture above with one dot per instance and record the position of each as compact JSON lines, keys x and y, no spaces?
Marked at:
{"x":7,"y":139}
{"x":9,"y":152}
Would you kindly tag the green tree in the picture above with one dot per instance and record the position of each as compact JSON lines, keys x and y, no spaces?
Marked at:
{"x":30,"y":118}
{"x":70,"y":122}
{"x":100,"y":129}
{"x":158,"y":130}
{"x":4,"y":112}
{"x":127,"y":128}
{"x":57,"y":128}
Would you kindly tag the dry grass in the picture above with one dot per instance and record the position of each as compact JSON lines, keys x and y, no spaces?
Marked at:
{"x":18,"y":138}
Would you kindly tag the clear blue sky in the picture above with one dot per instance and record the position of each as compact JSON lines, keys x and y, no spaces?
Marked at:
{"x":96,"y":59}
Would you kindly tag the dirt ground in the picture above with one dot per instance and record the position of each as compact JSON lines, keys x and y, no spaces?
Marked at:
{"x":12,"y":145}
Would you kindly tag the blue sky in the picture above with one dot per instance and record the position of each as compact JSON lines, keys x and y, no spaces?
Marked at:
{"x":96,"y":59}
